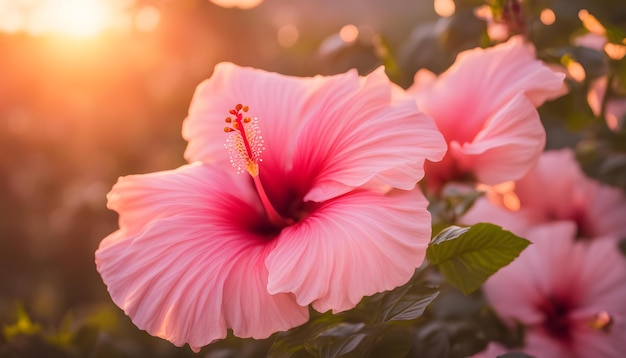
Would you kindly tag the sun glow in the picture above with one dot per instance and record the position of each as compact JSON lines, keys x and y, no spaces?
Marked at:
{"x":74,"y":18}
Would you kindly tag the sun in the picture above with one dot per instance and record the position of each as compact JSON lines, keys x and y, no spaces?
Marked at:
{"x":75,"y":18}
{"x":78,"y":18}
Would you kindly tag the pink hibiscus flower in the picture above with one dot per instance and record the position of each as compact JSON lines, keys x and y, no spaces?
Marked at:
{"x":319,"y":220}
{"x":556,"y":189}
{"x":569,"y":294}
{"x":485,"y":106}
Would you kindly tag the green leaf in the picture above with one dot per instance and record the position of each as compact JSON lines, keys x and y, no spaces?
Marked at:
{"x":339,"y":341}
{"x":406,"y":302}
{"x":324,"y":337}
{"x":297,"y":341}
{"x":432,"y":341}
{"x":360,"y":331}
{"x":23,"y":325}
{"x":394,"y":341}
{"x":467,"y":256}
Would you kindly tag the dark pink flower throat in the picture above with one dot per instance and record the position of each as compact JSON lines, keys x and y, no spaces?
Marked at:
{"x":560,"y":325}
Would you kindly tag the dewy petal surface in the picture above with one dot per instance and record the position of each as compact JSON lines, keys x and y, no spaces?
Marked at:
{"x":187,"y":268}
{"x":357,"y":245}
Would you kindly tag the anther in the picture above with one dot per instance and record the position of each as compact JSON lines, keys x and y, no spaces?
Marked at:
{"x":602,"y":321}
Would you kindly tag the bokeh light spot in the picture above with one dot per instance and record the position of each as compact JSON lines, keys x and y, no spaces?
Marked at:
{"x":591,"y":23}
{"x":287,"y":35}
{"x":444,"y":8}
{"x":576,"y":71}
{"x":547,"y":17}
{"x":615,"y":51}
{"x":349,"y":33}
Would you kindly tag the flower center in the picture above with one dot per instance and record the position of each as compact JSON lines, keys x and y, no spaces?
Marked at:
{"x":557,"y":321}
{"x":583,"y":224}
{"x":560,"y":325}
{"x":245,"y":145}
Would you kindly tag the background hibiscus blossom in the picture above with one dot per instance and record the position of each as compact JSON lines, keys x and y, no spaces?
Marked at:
{"x":484,"y":105}
{"x":568,"y":294}
{"x":556,"y":189}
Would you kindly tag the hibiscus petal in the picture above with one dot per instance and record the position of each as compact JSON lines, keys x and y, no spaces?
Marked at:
{"x":605,"y":207}
{"x":367,"y":133}
{"x":589,"y":342}
{"x":140,"y":199}
{"x":356,"y":245}
{"x":277,"y":101}
{"x":249,"y":309}
{"x":604,"y":277}
{"x":541,"y":345}
{"x":507,"y":147}
{"x":186,"y":268}
{"x":423,"y":80}
{"x":550,"y":188}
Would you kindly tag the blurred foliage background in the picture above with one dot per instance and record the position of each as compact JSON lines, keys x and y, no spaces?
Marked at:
{"x":91,"y":93}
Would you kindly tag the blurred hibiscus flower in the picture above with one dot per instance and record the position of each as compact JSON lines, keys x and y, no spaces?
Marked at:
{"x":556,"y":189}
{"x":485,"y":106}
{"x":567,"y":293}
{"x":328,"y":214}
